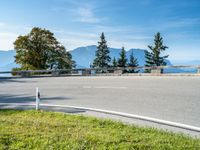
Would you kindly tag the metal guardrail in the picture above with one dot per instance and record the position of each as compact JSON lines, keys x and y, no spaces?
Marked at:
{"x":96,"y":71}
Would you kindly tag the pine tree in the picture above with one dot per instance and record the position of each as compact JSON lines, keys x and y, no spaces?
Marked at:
{"x":102,"y":59}
{"x":133,"y":63}
{"x":149,"y":61}
{"x":122,"y":61}
{"x":153,"y":57}
{"x":114,"y":63}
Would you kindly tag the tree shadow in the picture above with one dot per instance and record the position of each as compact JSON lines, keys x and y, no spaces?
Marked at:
{"x":26,"y":99}
{"x":62,"y":109}
{"x":7,"y":108}
{"x":14,"y":80}
{"x":8,"y":99}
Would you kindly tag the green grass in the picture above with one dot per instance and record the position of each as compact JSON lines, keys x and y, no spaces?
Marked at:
{"x":48,"y":130}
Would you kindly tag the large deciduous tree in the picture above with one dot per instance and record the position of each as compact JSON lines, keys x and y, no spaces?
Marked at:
{"x":102,"y":59}
{"x":39,"y":49}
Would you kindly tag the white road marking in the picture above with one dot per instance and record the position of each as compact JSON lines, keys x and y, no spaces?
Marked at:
{"x":109,"y":87}
{"x":149,"y":119}
{"x":104,"y":87}
{"x":87,"y":87}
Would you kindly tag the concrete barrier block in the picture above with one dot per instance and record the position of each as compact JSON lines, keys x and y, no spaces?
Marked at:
{"x":118,"y":72}
{"x":156,"y":71}
{"x":25,"y":74}
{"x":198,"y":70}
{"x":55,"y":73}
{"x":86,"y":72}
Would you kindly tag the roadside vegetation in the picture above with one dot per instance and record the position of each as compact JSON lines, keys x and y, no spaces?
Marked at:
{"x":40,"y":50}
{"x":48,"y":130}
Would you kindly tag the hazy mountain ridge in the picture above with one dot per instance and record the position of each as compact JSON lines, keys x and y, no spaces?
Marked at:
{"x":6,"y":57}
{"x":88,"y":54}
{"x":7,"y":60}
{"x":83,"y":56}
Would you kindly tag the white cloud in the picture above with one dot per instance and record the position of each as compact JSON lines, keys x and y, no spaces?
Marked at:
{"x":87,"y":15}
{"x":61,"y":32}
{"x":127,"y":44}
{"x":183,"y":22}
{"x":72,"y":43}
{"x":120,"y":30}
{"x":9,"y":33}
{"x":74,"y":39}
{"x":2,"y":24}
{"x":130,"y":37}
{"x":79,"y":11}
{"x":7,"y":39}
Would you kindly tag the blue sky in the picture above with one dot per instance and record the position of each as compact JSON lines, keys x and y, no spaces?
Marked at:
{"x":129,"y":23}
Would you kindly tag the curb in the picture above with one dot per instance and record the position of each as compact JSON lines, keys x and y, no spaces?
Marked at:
{"x":144,"y":118}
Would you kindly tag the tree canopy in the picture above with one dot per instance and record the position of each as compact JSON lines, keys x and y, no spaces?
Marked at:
{"x":39,"y":49}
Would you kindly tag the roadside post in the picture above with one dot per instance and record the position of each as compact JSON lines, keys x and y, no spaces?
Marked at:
{"x":37,"y":99}
{"x":198,"y":69}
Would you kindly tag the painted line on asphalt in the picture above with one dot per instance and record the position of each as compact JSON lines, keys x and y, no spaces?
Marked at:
{"x":109,"y":87}
{"x":103,"y":87}
{"x":87,"y":87}
{"x":144,"y":118}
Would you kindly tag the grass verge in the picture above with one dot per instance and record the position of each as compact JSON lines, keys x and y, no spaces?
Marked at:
{"x":48,"y":130}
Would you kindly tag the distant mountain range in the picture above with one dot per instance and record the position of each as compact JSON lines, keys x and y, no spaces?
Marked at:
{"x":7,"y":60}
{"x":188,"y":62}
{"x":83,"y":56}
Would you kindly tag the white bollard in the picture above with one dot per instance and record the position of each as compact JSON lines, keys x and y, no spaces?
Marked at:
{"x":37,"y":99}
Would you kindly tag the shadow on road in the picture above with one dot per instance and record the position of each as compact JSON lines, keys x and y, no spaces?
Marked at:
{"x":65,"y":110}
{"x":14,"y":80}
{"x":5,"y":98}
{"x":54,"y":109}
{"x":8,"y":98}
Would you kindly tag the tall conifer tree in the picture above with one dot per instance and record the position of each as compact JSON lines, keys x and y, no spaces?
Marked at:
{"x":153,"y":57}
{"x":114,"y":63}
{"x":133,"y":63}
{"x":102,"y":59}
{"x":122,"y":61}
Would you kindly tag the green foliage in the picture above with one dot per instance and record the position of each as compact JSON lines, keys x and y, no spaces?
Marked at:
{"x":15,"y":69}
{"x":40,"y":50}
{"x":133,"y":63}
{"x":64,"y":61}
{"x":102,"y":59}
{"x":114,"y":63}
{"x":47,"y":130}
{"x":154,"y":58}
{"x":122,"y":61}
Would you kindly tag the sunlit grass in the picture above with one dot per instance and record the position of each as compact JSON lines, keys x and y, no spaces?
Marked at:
{"x":48,"y":130}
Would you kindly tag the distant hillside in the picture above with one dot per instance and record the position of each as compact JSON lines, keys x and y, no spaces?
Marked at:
{"x":7,"y":60}
{"x":6,"y":57}
{"x":83,"y":56}
{"x":188,"y":62}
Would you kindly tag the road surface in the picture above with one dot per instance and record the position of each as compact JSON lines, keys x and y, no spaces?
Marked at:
{"x":172,"y":98}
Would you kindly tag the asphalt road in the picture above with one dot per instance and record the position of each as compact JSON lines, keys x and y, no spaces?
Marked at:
{"x":172,"y":98}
